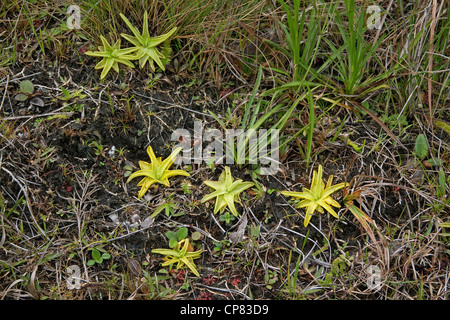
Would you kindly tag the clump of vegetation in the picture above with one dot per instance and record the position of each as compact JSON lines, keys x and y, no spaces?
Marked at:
{"x":112,"y":55}
{"x":145,"y":45}
{"x":26,"y":90}
{"x":144,"y":49}
{"x":318,"y":196}
{"x":226,"y":192}
{"x":182,"y":254}
{"x":328,"y":85}
{"x":157,"y":171}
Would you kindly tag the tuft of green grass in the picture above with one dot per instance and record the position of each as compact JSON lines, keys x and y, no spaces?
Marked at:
{"x":351,"y":59}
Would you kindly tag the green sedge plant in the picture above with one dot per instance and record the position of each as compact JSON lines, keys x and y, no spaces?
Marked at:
{"x":259,"y":114}
{"x":318,"y":197}
{"x":157,"y":171}
{"x":302,"y":51}
{"x":353,"y":57}
{"x":303,"y":30}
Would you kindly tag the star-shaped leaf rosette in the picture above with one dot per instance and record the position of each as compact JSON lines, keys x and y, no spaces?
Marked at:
{"x":182,"y":254}
{"x":157,"y":171}
{"x":318,"y":197}
{"x":146,"y":45}
{"x":226,"y":192}
{"x":112,"y":55}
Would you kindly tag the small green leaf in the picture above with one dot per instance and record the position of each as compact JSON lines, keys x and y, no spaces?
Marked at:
{"x":65,"y":92}
{"x":21,"y":97}
{"x":27,"y":87}
{"x":173,"y":242}
{"x":182,"y":233}
{"x":170,"y":235}
{"x":97,"y":256}
{"x":126,"y":174}
{"x":421,"y":147}
{"x":128,"y":170}
{"x":106,"y":256}
{"x":90,"y":263}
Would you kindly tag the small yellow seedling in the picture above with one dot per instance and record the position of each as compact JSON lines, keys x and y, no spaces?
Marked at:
{"x":226,"y":192}
{"x":112,"y":55}
{"x":146,"y":45}
{"x":318,"y":197}
{"x":157,"y":171}
{"x":182,"y":254}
